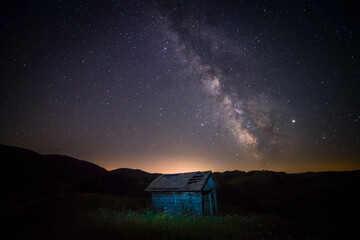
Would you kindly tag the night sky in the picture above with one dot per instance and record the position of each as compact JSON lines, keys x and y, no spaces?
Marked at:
{"x":184,"y":86}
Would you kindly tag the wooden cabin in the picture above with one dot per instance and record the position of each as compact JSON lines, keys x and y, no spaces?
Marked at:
{"x":191,"y":193}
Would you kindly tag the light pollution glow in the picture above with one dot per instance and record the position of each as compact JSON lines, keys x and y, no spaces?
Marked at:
{"x":167,"y":164}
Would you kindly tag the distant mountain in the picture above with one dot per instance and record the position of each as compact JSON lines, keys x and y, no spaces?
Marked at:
{"x":21,"y":167}
{"x":291,"y":194}
{"x":135,"y":173}
{"x":26,"y":175}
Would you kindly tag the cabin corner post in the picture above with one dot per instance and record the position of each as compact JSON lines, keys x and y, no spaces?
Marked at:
{"x":210,"y":204}
{"x":202,"y":204}
{"x":215,"y":202}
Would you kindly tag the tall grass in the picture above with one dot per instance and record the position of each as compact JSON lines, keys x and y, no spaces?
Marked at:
{"x":114,"y":224}
{"x":93,"y":216}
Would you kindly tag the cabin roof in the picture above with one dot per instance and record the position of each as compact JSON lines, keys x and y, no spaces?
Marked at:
{"x":180,"y":182}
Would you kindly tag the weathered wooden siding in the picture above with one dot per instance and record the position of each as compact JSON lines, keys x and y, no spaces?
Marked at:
{"x":206,"y":203}
{"x":178,"y":202}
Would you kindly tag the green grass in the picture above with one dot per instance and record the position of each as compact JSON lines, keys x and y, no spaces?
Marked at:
{"x":93,"y":216}
{"x":148,"y":225}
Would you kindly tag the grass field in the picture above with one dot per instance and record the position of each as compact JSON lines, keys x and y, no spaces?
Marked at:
{"x":134,"y":225}
{"x":93,"y":216}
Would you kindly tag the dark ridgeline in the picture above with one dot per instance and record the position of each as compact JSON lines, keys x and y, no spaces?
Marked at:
{"x":292,"y":195}
{"x":26,"y":175}
{"x":192,"y":193}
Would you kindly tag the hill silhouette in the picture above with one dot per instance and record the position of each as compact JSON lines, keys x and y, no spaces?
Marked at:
{"x":28,"y":175}
{"x":323,"y":205}
{"x":25,"y":174}
{"x":291,"y":194}
{"x":135,"y":173}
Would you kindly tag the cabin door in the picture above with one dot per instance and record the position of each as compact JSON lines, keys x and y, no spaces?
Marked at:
{"x":209,"y":201}
{"x":206,"y":204}
{"x":212,"y":203}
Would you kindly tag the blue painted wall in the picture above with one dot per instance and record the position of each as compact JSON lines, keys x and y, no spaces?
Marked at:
{"x":178,"y":202}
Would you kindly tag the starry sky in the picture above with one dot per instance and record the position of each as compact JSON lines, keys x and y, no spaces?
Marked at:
{"x":173,"y":86}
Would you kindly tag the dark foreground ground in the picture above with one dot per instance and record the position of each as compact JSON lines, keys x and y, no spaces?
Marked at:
{"x":58,"y":197}
{"x":95,"y":216}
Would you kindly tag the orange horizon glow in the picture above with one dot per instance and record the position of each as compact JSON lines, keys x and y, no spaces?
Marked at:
{"x":179,"y":165}
{"x":237,"y":169}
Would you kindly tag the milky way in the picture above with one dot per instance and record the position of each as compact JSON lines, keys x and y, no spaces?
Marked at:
{"x":183,"y":86}
{"x":251,"y":120}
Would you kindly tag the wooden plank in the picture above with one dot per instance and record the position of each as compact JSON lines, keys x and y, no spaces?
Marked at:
{"x":215,"y":201}
{"x":211,"y":210}
{"x":178,"y":197}
{"x":178,"y":194}
{"x":177,"y":200}
{"x":168,"y":204}
{"x":174,"y":198}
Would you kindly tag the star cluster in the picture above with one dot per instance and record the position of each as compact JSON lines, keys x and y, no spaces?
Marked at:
{"x":181,"y":85}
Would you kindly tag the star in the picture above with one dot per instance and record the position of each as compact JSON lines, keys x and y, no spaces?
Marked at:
{"x":152,"y":74}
